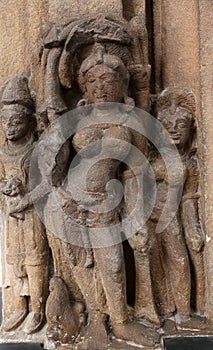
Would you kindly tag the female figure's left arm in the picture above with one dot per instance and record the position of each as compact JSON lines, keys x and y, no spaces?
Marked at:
{"x":189,"y":208}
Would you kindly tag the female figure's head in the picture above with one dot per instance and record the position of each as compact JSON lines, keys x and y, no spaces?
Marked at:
{"x":176,"y":112}
{"x":103,"y":77}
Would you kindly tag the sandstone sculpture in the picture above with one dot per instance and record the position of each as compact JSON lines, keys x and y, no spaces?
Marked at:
{"x":26,"y":249}
{"x":181,"y":242}
{"x":73,"y":205}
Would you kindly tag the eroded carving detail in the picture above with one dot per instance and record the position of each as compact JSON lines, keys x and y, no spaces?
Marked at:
{"x":26,"y":249}
{"x":177,"y":256}
{"x":87,"y":64}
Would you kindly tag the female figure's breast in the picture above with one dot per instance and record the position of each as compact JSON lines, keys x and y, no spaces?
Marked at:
{"x":103,"y":147}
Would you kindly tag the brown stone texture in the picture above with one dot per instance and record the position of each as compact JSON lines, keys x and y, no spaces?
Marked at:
{"x":181,"y":43}
{"x":134,"y":7}
{"x":13,"y":28}
{"x":20,"y":23}
{"x":20,"y":35}
{"x":26,"y":253}
{"x":76,"y":8}
{"x":183,"y":55}
{"x":177,"y":43}
{"x":206,"y":74}
{"x":37,"y":13}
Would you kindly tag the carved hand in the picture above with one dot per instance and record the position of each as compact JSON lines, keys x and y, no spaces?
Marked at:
{"x":20,"y":205}
{"x":195,"y":240}
{"x":140,"y":241}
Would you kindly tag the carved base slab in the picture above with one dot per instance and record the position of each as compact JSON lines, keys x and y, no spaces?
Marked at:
{"x":172,"y":339}
{"x":9,"y":341}
{"x":123,"y":346}
{"x":114,"y":344}
{"x":12,"y":340}
{"x":182,"y":343}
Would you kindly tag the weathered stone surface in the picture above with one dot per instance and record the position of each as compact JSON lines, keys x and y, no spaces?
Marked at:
{"x":177,"y":44}
{"x":20,"y":24}
{"x":77,"y":8}
{"x":132,"y":8}
{"x":206,"y":73}
{"x":183,"y":51}
{"x":37,"y":14}
{"x":78,"y":63}
{"x":26,"y":252}
{"x":14,"y":50}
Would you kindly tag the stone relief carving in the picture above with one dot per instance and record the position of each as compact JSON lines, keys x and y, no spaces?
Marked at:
{"x":177,"y":254}
{"x":64,"y":318}
{"x":26,"y":249}
{"x":87,"y":64}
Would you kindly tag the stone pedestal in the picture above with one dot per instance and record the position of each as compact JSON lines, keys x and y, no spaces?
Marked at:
{"x":180,"y":41}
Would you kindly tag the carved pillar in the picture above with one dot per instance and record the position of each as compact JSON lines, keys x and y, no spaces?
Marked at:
{"x":177,"y":49}
{"x":183,"y":47}
{"x":206,"y":74}
{"x":176,"y":44}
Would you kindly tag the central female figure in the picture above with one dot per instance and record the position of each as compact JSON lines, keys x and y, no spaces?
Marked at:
{"x":104,"y":78}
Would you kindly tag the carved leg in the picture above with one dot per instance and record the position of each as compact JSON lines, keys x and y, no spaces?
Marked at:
{"x":18,"y":309}
{"x":62,"y":265}
{"x":94,"y":296}
{"x":110,"y":263}
{"x":161,"y":284}
{"x":111,"y":266}
{"x":200,"y":283}
{"x":144,"y":301}
{"x":176,"y":256}
{"x":38,"y":286}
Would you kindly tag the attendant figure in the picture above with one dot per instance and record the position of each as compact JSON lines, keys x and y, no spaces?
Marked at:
{"x":180,"y":245}
{"x":26,"y":252}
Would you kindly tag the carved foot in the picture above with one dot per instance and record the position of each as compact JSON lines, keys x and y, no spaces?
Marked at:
{"x":149,"y":315}
{"x":95,"y":336}
{"x":14,"y":321}
{"x":137,"y":333}
{"x":53,"y":333}
{"x":169,"y":327}
{"x":34,"y":322}
{"x":192,"y":323}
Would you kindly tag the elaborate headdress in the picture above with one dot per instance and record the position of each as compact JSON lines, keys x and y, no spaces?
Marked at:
{"x":16,"y":92}
{"x":64,"y":49}
{"x":100,"y":56}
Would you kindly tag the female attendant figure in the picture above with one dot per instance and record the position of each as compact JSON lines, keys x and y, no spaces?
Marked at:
{"x":183,"y":237}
